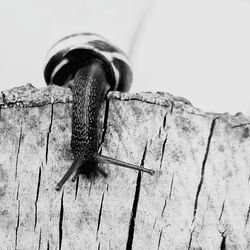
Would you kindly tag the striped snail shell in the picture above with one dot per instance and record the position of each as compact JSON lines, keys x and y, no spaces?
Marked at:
{"x":71,"y":53}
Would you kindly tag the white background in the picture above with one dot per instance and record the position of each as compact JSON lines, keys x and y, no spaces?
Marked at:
{"x":199,"y":49}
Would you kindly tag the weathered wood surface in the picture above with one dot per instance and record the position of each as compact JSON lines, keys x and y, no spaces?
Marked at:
{"x":198,"y":198}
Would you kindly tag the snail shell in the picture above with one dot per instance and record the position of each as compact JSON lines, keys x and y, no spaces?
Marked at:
{"x":71,"y":53}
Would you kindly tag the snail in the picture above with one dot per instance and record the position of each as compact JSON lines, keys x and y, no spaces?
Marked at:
{"x":91,"y":66}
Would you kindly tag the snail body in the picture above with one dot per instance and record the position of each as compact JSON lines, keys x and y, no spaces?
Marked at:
{"x":95,"y":66}
{"x":89,"y":91}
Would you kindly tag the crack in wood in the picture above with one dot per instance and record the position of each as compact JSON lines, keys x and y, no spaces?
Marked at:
{"x":241,"y":125}
{"x":164,"y":206}
{"x":37,"y":196}
{"x":100,"y":215}
{"x":133,"y":214}
{"x":48,"y":134}
{"x":171,"y":107}
{"x":17,"y":224}
{"x":48,"y":245}
{"x":135,"y":204}
{"x":171,"y":187}
{"x":159,"y":241}
{"x":163,"y":150}
{"x":61,"y":222}
{"x":222,"y":209}
{"x":167,"y":104}
{"x":203,"y":167}
{"x":18,"y":149}
{"x":18,"y":213}
{"x":77,"y":185}
{"x":190,"y":239}
{"x":223,"y":241}
{"x":163,"y":124}
{"x":159,"y":133}
{"x":154,"y":223}
{"x":39,"y":241}
{"x":164,"y":121}
{"x":144,"y":154}
{"x":247,"y":218}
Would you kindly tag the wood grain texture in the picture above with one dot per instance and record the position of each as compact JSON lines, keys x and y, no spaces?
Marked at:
{"x":198,"y":198}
